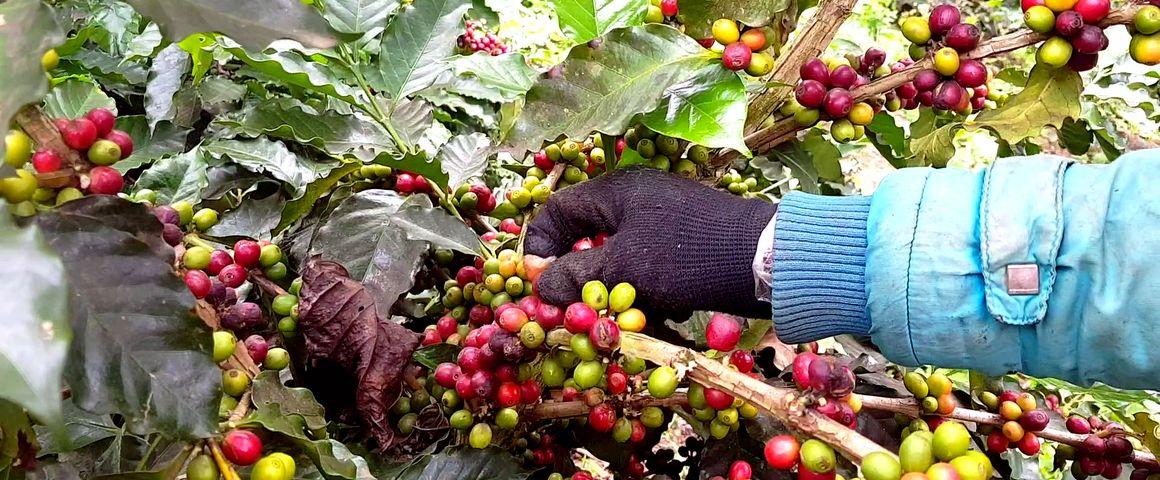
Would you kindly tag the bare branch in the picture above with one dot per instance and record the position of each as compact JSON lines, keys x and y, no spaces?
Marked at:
{"x":577,"y":408}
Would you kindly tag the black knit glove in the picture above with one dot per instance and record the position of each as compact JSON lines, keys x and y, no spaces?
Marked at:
{"x":684,"y":246}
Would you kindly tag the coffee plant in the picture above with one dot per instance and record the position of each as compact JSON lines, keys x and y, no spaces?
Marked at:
{"x":284,"y":239}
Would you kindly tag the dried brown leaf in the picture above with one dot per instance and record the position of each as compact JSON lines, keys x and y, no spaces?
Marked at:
{"x":340,"y":324}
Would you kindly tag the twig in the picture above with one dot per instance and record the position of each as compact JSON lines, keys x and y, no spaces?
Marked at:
{"x":224,"y":467}
{"x":263,"y":282}
{"x":782,"y":403}
{"x":554,"y":176}
{"x":809,"y":42}
{"x":243,"y":407}
{"x":786,"y":129}
{"x":577,"y":408}
{"x":911,"y":408}
{"x":37,"y":125}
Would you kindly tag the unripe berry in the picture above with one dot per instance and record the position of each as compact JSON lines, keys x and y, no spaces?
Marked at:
{"x":1039,"y":19}
{"x":946,"y":61}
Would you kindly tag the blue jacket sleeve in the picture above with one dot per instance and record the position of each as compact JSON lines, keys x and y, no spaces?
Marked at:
{"x":1032,"y":264}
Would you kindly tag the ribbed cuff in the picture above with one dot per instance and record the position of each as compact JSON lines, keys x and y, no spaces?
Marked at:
{"x":819,"y":266}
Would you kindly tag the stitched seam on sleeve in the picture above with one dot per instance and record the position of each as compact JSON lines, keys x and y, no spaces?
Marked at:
{"x":910,"y":262}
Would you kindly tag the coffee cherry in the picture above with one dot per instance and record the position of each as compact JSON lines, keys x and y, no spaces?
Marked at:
{"x":916,"y":453}
{"x":1068,"y":23}
{"x":669,"y":7}
{"x":807,"y":117}
{"x":605,"y":334}
{"x":717,"y":399}
{"x":45,"y":161}
{"x":79,"y":134}
{"x":662,"y":382}
{"x":817,"y":457}
{"x":204,"y":219}
{"x":972,"y":73}
{"x":579,"y":318}
{"x":881,"y":466}
{"x":951,"y":439}
{"x":815,"y":69}
{"x":946,"y":61}
{"x":480,"y":436}
{"x":602,"y":418}
{"x":843,"y":77}
{"x":736,"y":56}
{"x":963,"y":37}
{"x":810,"y":93}
{"x":105,"y":181}
{"x":1039,"y":19}
{"x":1089,"y":40}
{"x":1093,"y":11}
{"x":1034,"y":420}
{"x":760,"y":64}
{"x":942,"y":19}
{"x":725,"y":31}
{"x":257,"y":347}
{"x":234,"y":382}
{"x":276,"y":359}
{"x":102,"y":119}
{"x":587,"y":374}
{"x":801,"y":369}
{"x":781,"y":452}
{"x":740,"y":470}
{"x":743,"y":360}
{"x":223,"y":345}
{"x":198,"y":283}
{"x":1145,"y":49}
{"x":1147,"y":20}
{"x":1029,"y":444}
{"x":861,"y":114}
{"x":838,"y":102}
{"x":241,"y":447}
{"x":1117,"y":447}
{"x":926,"y":80}
{"x":917,"y":30}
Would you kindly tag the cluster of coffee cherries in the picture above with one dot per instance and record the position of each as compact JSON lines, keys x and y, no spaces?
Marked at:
{"x":831,"y":385}
{"x":934,"y":392}
{"x":824,"y":92}
{"x":476,"y":38}
{"x":92,"y":136}
{"x":659,"y":10}
{"x":382,"y":176}
{"x":954,"y":84}
{"x":583,"y":159}
{"x":813,"y":459}
{"x":664,"y":152}
{"x":1022,"y":421}
{"x":720,"y":410}
{"x":1104,"y":451}
{"x":1145,"y":45}
{"x":494,"y":375}
{"x":942,"y":452}
{"x":242,"y":448}
{"x":1076,"y":37}
{"x":744,"y":50}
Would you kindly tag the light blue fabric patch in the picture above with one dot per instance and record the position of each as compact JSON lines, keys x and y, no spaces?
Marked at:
{"x":1021,"y":230}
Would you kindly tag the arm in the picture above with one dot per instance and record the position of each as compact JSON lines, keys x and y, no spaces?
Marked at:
{"x":1030,"y":265}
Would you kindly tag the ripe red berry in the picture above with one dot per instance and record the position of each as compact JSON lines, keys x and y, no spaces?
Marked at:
{"x":926,"y":80}
{"x":1093,"y":445}
{"x":405,"y":183}
{"x":1034,"y":420}
{"x":1090,"y":39}
{"x":1027,"y":4}
{"x":638,"y":431}
{"x":582,"y":244}
{"x":1068,"y":23}
{"x":530,"y":391}
{"x":602,"y":418}
{"x":1029,"y":444}
{"x":949,"y":95}
{"x":105,"y":181}
{"x":549,"y":316}
{"x":479,"y":314}
{"x":218,"y":259}
{"x":669,"y":7}
{"x":617,"y":383}
{"x":740,"y":470}
{"x":838,"y":103}
{"x":198,"y":283}
{"x":508,"y":395}
{"x":717,"y":399}
{"x":579,"y":318}
{"x":997,"y":442}
{"x":232,"y":275}
{"x":421,"y":184}
{"x":972,"y":73}
{"x":815,"y":69}
{"x":45,"y":161}
{"x":743,"y":360}
{"x":257,"y":347}
{"x":1093,"y":11}
{"x":247,"y":252}
{"x":736,"y":56}
{"x":79,"y":134}
{"x":241,"y":447}
{"x":484,"y":384}
{"x":102,"y":119}
{"x":446,"y":326}
{"x":723,"y":332}
{"x":963,"y":37}
{"x":810,"y":93}
{"x":430,"y":337}
{"x":604,"y":334}
{"x":843,"y":77}
{"x":446,"y":374}
{"x":801,"y":369}
{"x":907,"y":91}
{"x":942,"y":18}
{"x":582,"y":476}
{"x":781,"y":452}
{"x":872,"y":59}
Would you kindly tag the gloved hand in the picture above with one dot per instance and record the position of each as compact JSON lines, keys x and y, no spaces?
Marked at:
{"x":683,"y":245}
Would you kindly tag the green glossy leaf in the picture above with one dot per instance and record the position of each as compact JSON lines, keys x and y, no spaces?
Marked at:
{"x":109,"y":68}
{"x":699,"y":15}
{"x":464,"y":157}
{"x":81,"y":430}
{"x":35,"y":329}
{"x":413,"y":119}
{"x":934,"y":148}
{"x":692,"y":329}
{"x":252,"y":23}
{"x":358,"y":16}
{"x":421,"y":221}
{"x":1050,"y":96}
{"x":707,"y":109}
{"x":28,"y":26}
{"x":216,"y":92}
{"x":504,"y":77}
{"x":602,"y":89}
{"x":233,"y":178}
{"x":270,"y":156}
{"x":138,"y":350}
{"x":164,"y":139}
{"x":889,"y":138}
{"x":755,"y":330}
{"x":432,"y":355}
{"x":146,"y":43}
{"x":467,"y":464}
{"x":811,"y":159}
{"x":299,"y":207}
{"x":268,"y":391}
{"x":74,"y":98}
{"x":176,"y":178}
{"x":253,"y":218}
{"x":1075,"y":136}
{"x":165,"y":81}
{"x":583,"y":20}
{"x":415,"y":45}
{"x":361,"y":234}
{"x":291,"y":68}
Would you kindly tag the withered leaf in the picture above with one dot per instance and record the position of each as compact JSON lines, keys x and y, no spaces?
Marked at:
{"x":338,"y":319}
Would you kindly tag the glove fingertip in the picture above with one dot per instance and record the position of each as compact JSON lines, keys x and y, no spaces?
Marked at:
{"x":556,"y":287}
